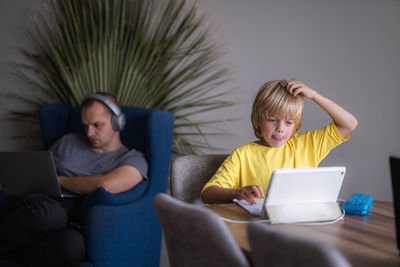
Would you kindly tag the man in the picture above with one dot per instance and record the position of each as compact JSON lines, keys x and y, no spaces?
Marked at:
{"x":101,"y":160}
{"x":84,"y":164}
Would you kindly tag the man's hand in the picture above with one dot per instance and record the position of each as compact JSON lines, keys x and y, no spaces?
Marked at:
{"x":61,"y":180}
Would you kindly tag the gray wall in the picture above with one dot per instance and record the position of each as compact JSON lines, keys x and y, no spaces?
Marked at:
{"x":13,"y":23}
{"x":347,"y":50}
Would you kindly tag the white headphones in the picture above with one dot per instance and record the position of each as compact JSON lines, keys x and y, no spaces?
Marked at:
{"x":117,"y":119}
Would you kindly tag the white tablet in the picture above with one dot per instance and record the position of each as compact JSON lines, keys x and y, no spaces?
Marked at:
{"x":305,"y":185}
{"x":300,"y":195}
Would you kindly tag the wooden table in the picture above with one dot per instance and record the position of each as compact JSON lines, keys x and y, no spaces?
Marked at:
{"x":368,"y":240}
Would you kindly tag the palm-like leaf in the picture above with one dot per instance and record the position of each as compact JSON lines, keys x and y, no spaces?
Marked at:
{"x":151,"y":54}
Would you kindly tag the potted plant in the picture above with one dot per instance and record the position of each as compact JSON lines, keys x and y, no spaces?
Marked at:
{"x":151,"y":54}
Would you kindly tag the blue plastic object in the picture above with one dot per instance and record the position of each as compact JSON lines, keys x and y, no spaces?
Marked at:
{"x":358,"y":204}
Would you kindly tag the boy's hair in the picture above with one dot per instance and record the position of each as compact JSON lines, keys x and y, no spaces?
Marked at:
{"x":273,"y":99}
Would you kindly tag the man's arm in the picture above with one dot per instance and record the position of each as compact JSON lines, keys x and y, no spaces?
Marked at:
{"x":345,"y":122}
{"x":116,"y":181}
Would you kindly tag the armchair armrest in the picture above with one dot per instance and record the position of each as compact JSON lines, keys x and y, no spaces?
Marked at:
{"x":102,"y":197}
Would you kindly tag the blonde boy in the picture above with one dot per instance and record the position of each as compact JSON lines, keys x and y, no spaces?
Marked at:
{"x":276,"y":117}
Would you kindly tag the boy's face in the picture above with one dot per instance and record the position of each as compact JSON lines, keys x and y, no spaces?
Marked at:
{"x":276,"y":131}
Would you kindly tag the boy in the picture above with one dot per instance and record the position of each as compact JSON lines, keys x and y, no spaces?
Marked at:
{"x":276,"y":117}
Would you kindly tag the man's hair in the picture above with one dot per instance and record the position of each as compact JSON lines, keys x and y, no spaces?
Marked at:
{"x":273,"y":99}
{"x":88,"y":103}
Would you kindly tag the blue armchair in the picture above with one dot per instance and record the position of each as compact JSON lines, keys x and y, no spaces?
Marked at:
{"x":122,"y":229}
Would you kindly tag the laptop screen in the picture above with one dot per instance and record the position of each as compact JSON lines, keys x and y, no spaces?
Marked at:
{"x":395,"y":176}
{"x":22,"y":173}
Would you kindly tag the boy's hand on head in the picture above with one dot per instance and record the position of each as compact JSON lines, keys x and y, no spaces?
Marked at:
{"x":250,"y":193}
{"x":345,"y":122}
{"x":296,"y":87}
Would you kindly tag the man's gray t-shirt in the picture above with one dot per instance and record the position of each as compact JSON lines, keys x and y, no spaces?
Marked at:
{"x":73,"y":156}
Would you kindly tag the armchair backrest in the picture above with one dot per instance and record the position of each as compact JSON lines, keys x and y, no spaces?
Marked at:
{"x":189,"y":174}
{"x":270,"y":246}
{"x":59,"y":119}
{"x":195,"y":236}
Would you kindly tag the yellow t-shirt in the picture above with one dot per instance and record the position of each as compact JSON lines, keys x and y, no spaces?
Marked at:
{"x":252,"y":164}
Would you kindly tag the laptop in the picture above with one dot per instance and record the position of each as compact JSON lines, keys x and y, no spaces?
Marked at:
{"x":22,"y":173}
{"x":300,"y":195}
{"x":395,"y":177}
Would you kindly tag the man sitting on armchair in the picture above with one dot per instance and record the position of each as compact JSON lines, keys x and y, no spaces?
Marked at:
{"x":37,"y":229}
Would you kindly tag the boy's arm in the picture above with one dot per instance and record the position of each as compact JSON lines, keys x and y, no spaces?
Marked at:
{"x":345,"y":122}
{"x":216,"y":194}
